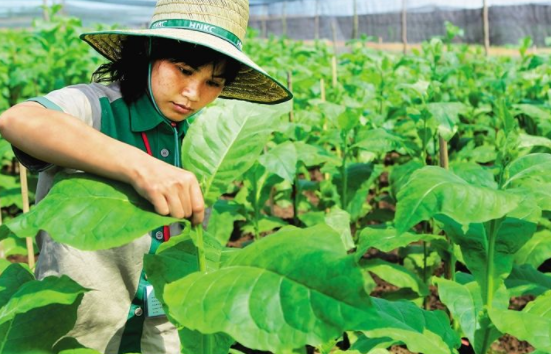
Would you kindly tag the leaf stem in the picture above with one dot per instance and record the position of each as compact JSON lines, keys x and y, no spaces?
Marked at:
{"x":201,"y":258}
{"x":488,"y":292}
{"x":425,"y":281}
{"x":296,"y":200}
{"x":344,"y":197}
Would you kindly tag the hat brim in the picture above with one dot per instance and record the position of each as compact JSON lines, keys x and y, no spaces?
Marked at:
{"x":251,"y":84}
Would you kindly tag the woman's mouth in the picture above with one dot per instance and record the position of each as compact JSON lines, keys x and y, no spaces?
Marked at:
{"x":182,"y":109}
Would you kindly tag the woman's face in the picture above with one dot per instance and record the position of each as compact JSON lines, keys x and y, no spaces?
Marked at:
{"x":181,"y":90}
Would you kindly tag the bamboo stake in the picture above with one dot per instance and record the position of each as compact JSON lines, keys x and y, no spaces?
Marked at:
{"x":334,"y":31}
{"x":264,"y":20}
{"x":486,"y":24}
{"x":25,"y":198}
{"x":444,"y":160}
{"x":317,"y":21}
{"x":326,"y":175}
{"x":356,"y":22}
{"x":404,"y":26}
{"x":334,"y":70}
{"x":45,"y":10}
{"x":284,"y":18}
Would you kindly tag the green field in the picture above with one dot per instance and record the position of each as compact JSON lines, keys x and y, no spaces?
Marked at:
{"x":394,"y":185}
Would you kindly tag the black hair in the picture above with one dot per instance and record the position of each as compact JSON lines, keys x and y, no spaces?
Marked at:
{"x":131,"y":70}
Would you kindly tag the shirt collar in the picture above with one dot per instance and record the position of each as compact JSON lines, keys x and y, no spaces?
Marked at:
{"x":144,"y":117}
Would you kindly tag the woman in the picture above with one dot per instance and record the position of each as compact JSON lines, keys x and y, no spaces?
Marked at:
{"x":131,"y":130}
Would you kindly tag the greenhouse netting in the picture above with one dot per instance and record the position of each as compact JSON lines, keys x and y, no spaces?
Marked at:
{"x":381,"y":20}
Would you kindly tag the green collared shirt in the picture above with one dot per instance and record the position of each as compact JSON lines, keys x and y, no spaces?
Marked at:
{"x":116,"y":275}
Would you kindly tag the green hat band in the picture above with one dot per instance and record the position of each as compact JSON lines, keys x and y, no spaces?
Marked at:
{"x":200,"y":27}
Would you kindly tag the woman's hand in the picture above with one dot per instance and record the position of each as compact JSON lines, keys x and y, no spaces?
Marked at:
{"x":172,"y":190}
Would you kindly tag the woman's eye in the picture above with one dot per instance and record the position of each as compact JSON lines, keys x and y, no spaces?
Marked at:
{"x":214,"y":84}
{"x":185,"y":71}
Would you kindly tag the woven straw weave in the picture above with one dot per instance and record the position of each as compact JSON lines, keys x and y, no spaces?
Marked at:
{"x":251,"y":84}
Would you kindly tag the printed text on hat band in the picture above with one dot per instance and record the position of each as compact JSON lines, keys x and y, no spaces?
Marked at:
{"x":200,"y":27}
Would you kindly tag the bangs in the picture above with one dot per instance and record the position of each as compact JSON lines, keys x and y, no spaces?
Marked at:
{"x":193,"y":55}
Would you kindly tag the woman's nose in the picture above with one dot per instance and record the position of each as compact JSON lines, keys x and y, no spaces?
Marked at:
{"x":192,"y":90}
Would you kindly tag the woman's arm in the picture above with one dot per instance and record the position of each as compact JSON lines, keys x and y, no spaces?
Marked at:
{"x":63,"y":140}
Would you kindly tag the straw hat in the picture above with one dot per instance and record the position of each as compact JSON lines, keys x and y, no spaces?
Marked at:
{"x":217,"y":24}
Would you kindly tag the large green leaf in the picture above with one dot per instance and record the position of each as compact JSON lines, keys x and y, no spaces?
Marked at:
{"x":50,"y":305}
{"x":89,"y":213}
{"x":313,"y":301}
{"x":540,"y":190}
{"x":194,"y":342}
{"x":281,"y":160}
{"x":12,"y":279}
{"x":421,"y":331}
{"x":69,"y":345}
{"x":339,"y":220}
{"x":360,"y":179}
{"x":533,"y":111}
{"x":224,"y":214}
{"x":435,"y":191}
{"x":533,"y":166}
{"x":474,"y":174}
{"x":365,"y":344}
{"x":488,"y":249}
{"x":292,"y":288}
{"x":464,"y":301}
{"x":387,"y":239}
{"x":178,"y":258}
{"x":396,"y":274}
{"x":525,"y":279}
{"x":446,"y":115}
{"x":312,"y":155}
{"x":400,"y":174}
{"x":530,"y":141}
{"x":536,"y":251}
{"x":381,"y":141}
{"x":533,"y":324}
{"x":225,"y":141}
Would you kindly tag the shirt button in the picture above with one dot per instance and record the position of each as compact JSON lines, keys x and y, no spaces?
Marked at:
{"x":165,"y":153}
{"x":159,"y":235}
{"x":138,"y":312}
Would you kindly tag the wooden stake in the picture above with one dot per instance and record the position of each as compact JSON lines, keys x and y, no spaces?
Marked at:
{"x":284,"y":18}
{"x":334,"y":31}
{"x":323,"y":99}
{"x":317,"y":21}
{"x":322,"y":89}
{"x":334,"y":70}
{"x":264,"y":25}
{"x":25,"y":198}
{"x":45,"y":10}
{"x":486,"y":24}
{"x":356,"y":22}
{"x":404,"y":26}
{"x":443,"y":153}
{"x":290,"y":86}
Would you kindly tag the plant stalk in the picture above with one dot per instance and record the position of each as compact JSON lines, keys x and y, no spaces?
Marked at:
{"x":425,"y":280}
{"x":344,"y":175}
{"x":296,"y":200}
{"x":201,"y":257}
